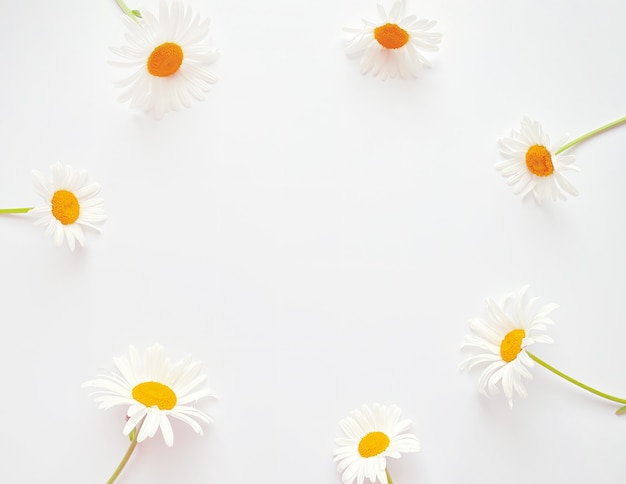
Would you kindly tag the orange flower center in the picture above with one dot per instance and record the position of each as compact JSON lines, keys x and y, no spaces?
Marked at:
{"x":539,"y":161}
{"x":65,"y":207}
{"x":512,"y":344}
{"x":391,"y":36}
{"x":165,"y":60}
{"x":373,"y":444}
{"x":155,"y":394}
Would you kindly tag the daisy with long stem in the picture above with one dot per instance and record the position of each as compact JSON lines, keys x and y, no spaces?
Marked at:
{"x":70,"y":204}
{"x":535,"y":165}
{"x":154,"y":391}
{"x":501,"y":342}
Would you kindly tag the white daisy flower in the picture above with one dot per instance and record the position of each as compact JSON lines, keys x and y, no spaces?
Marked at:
{"x":534,"y":165}
{"x":500,"y":342}
{"x":394,"y":45}
{"x":170,"y":60}
{"x":71,"y":204}
{"x":154,"y":390}
{"x":372,"y":434}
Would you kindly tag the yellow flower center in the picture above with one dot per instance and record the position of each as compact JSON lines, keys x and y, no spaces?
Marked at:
{"x":65,"y":207}
{"x":539,"y":161}
{"x":152,"y":393}
{"x":165,"y":60}
{"x":512,"y":344}
{"x":391,"y":36}
{"x":373,"y":444}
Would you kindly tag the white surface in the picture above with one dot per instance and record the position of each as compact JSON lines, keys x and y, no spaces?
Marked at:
{"x":318,"y":239}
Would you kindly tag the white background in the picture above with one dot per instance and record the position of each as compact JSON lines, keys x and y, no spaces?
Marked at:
{"x":317,"y":238}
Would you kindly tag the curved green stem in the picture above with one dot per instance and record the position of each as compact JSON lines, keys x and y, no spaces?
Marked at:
{"x":590,"y":134}
{"x":15,"y":210}
{"x":388,"y":476}
{"x":576,"y":382}
{"x":134,"y":14}
{"x":129,"y":452}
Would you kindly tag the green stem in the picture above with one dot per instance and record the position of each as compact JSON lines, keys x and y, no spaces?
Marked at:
{"x":15,"y":210}
{"x":134,"y":14}
{"x":388,"y":476}
{"x":133,"y":443}
{"x":590,"y":134}
{"x":576,"y":382}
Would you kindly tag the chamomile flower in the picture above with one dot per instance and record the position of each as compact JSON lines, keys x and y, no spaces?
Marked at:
{"x":154,"y":391}
{"x":70,"y":204}
{"x":373,"y":433}
{"x":499,"y":343}
{"x":394,"y":45}
{"x":533,"y":164}
{"x":170,"y":60}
